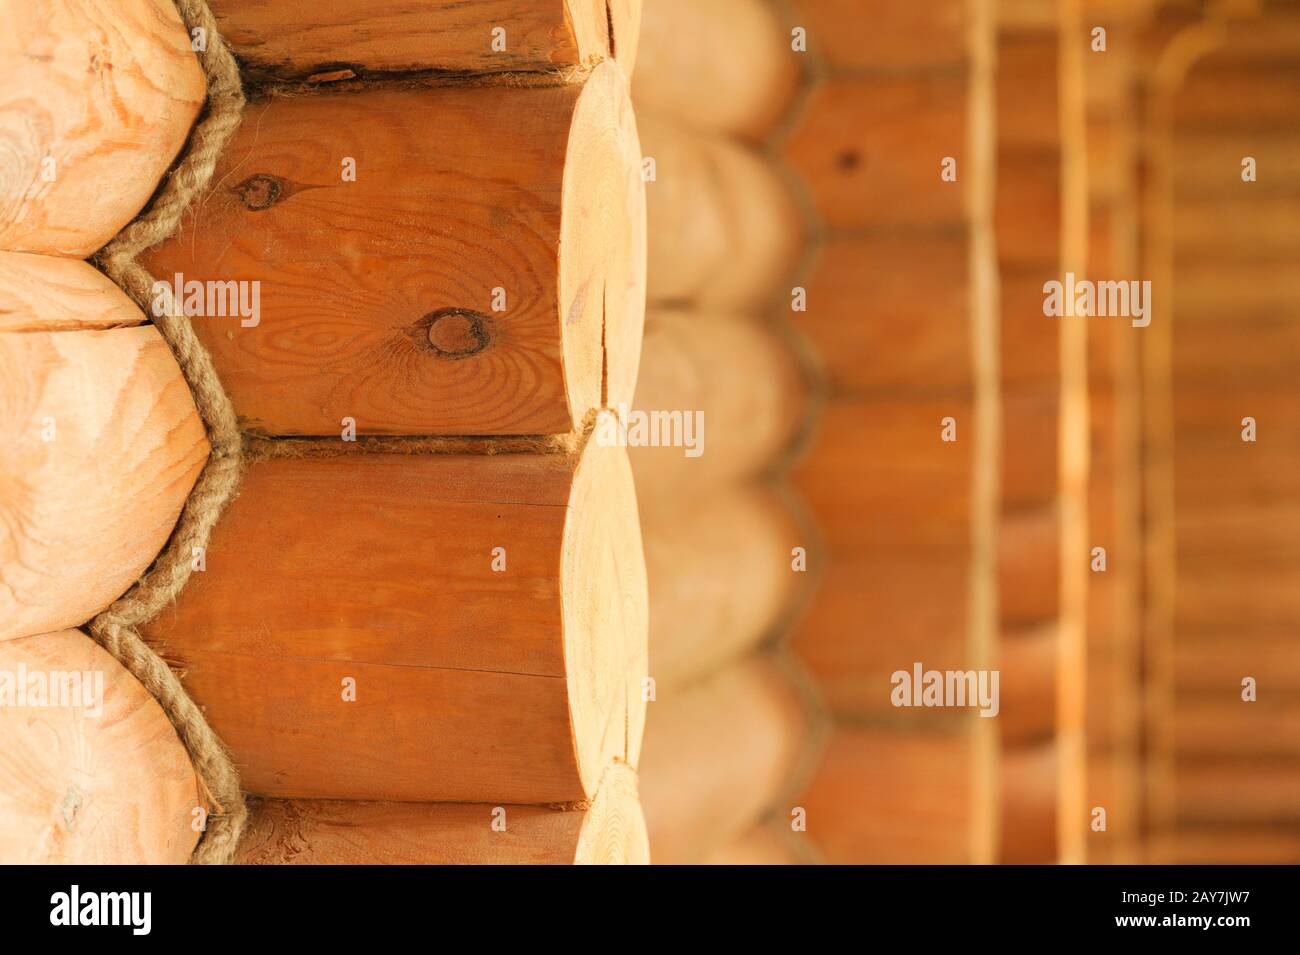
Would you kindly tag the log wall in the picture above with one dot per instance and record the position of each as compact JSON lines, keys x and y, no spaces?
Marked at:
{"x":892,"y":148}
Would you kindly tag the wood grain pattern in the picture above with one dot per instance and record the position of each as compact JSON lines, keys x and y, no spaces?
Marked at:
{"x":723,"y":228}
{"x":892,"y":798}
{"x":295,"y":39}
{"x":611,"y":831}
{"x":880,"y":478}
{"x":739,"y":374}
{"x":98,"y":99}
{"x":870,"y":150}
{"x":103,"y":445}
{"x":716,"y":755}
{"x":42,"y":293}
{"x":104,"y":781}
{"x":377,"y":295}
{"x":872,"y":330}
{"x":471,"y":684}
{"x":720,"y":577}
{"x":736,"y":50}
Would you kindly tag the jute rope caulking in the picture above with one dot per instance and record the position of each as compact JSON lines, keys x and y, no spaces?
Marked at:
{"x":116,"y":628}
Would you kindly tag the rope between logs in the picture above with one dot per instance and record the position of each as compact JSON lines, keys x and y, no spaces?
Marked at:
{"x":117,"y":627}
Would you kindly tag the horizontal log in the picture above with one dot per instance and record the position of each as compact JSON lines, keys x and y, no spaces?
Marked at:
{"x":611,"y":831}
{"x":1027,"y":662}
{"x":897,"y":36}
{"x":1028,"y":786}
{"x":104,"y":444}
{"x":1030,"y":340}
{"x":297,"y":39}
{"x":723,"y":228}
{"x":1029,"y":579}
{"x":1114,"y":782}
{"x":1246,"y":290}
{"x":1027,"y":214}
{"x":1258,"y":352}
{"x":429,"y":297}
{"x":1227,"y":844}
{"x":93,"y":773}
{"x":720,"y":578}
{"x":738,"y":376}
{"x":1029,"y":447}
{"x":875,"y":614}
{"x":42,"y":293}
{"x":1247,"y":226}
{"x":1218,"y":664}
{"x":870,"y":150}
{"x":740,"y":87}
{"x":716,"y":755}
{"x":1239,"y":97}
{"x":873,"y":333}
{"x":1028,"y":99}
{"x":97,"y":102}
{"x":1241,"y":790}
{"x":893,"y":798}
{"x":762,"y":845}
{"x":1222,"y":724}
{"x":1248,"y":602}
{"x":1212,"y":420}
{"x":496,"y":654}
{"x":880,"y":479}
{"x":1237,"y":533}
{"x":1209,"y":162}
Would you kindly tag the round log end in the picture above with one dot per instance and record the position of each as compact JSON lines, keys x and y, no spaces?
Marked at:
{"x":119,"y":88}
{"x":107,"y":445}
{"x":93,"y":770}
{"x":613,"y":832}
{"x":602,"y":246}
{"x":605,"y":612}
{"x":606,"y":28}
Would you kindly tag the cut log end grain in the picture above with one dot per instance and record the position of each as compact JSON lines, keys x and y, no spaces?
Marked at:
{"x":610,"y":831}
{"x":303,"y":39}
{"x":602,"y":246}
{"x":720,"y":578}
{"x":724,"y":230}
{"x":496,"y":286}
{"x":102,"y":781}
{"x":97,"y":102}
{"x":104,"y":444}
{"x":497,"y":654}
{"x":736,"y":373}
{"x":717,"y":754}
{"x":42,"y":293}
{"x":750,"y":79}
{"x":605,"y":606}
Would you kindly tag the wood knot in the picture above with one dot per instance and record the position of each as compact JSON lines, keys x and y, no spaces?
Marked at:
{"x":259,"y":192}
{"x":453,"y":332}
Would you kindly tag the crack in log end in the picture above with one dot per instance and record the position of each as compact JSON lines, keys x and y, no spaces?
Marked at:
{"x":259,"y":192}
{"x":70,"y":807}
{"x":609,"y":28}
{"x":453,"y":333}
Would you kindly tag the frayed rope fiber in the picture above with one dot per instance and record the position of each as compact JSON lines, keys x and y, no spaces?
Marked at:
{"x":117,"y":628}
